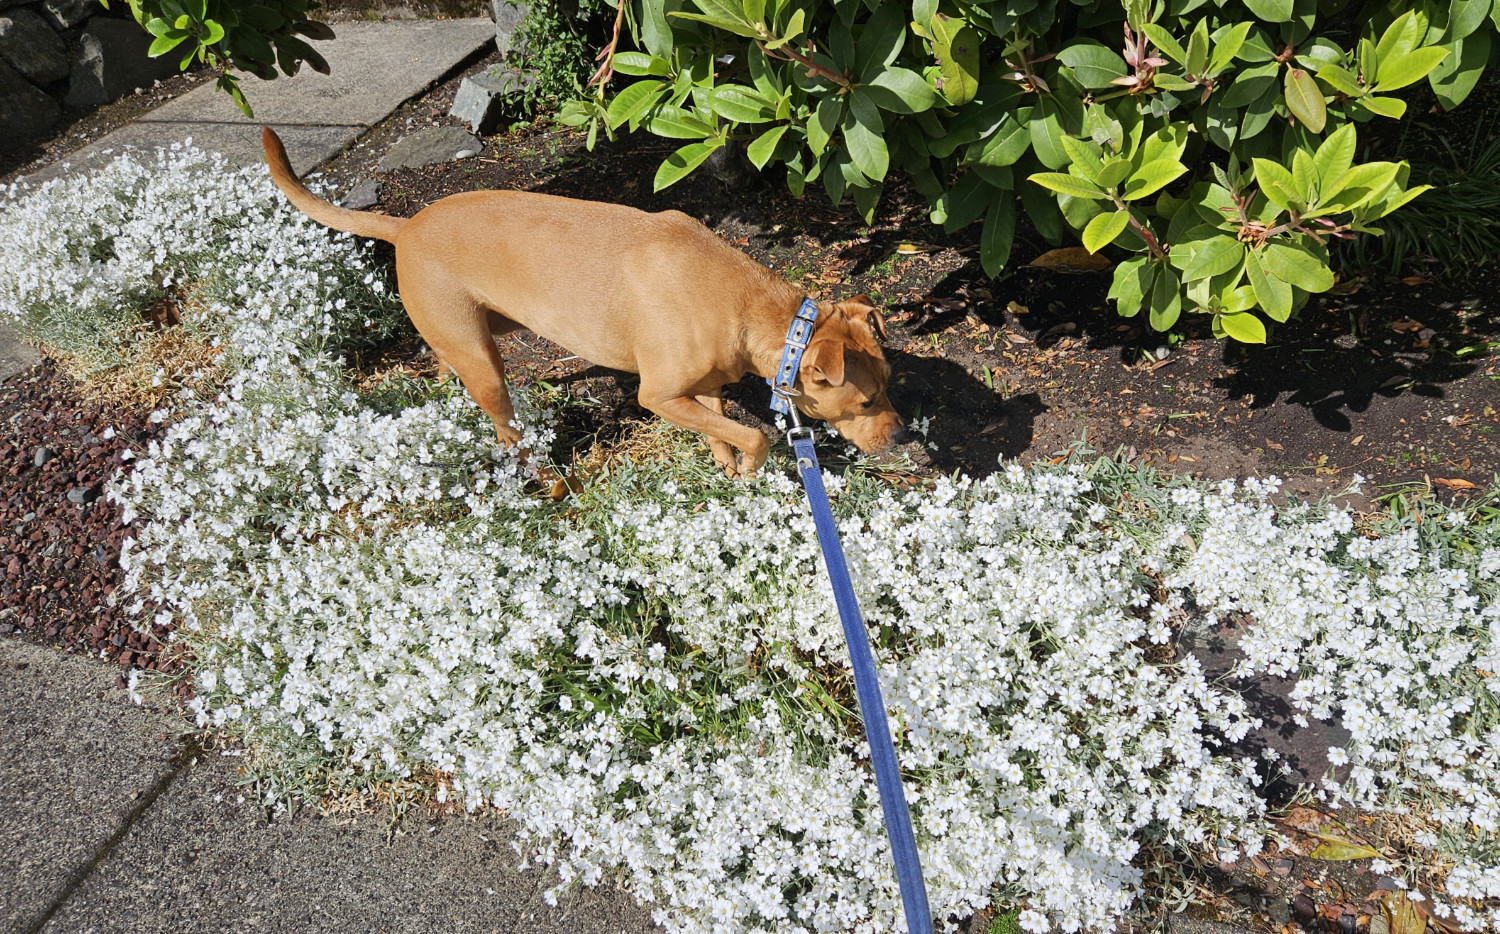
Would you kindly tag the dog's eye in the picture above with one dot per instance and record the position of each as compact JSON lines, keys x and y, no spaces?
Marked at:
{"x":867,"y":404}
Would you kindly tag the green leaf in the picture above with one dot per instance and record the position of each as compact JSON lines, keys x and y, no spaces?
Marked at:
{"x":1066,"y":184}
{"x":1270,"y":11}
{"x":1166,"y":300}
{"x":639,"y":63}
{"x":1132,"y":282}
{"x":1250,"y":84}
{"x":1304,"y":100}
{"x":1464,"y":17}
{"x":1274,"y":295}
{"x":740,"y":104}
{"x":823,"y":122}
{"x":901,"y":90}
{"x":863,"y":129}
{"x":1166,"y":42}
{"x":1046,"y":134}
{"x":966,"y":201}
{"x":1399,"y":71}
{"x":1341,"y":80}
{"x":999,"y":233}
{"x":955,"y":44}
{"x":1336,"y":848}
{"x":1304,"y":175}
{"x":764,"y":147}
{"x":1276,"y":183}
{"x":683,"y":161}
{"x":1392,"y":107}
{"x":1457,"y":75}
{"x":1103,"y":229}
{"x":1093,"y":65}
{"x":1008,"y":144}
{"x":164,"y":44}
{"x":1227,"y":46}
{"x":755,"y":10}
{"x":1294,"y":264}
{"x":866,"y":200}
{"x":1334,"y":156}
{"x":1362,"y":183}
{"x":1114,"y":172}
{"x":719,"y":22}
{"x":1151,"y":177}
{"x":1197,"y":51}
{"x":1084,"y":157}
{"x":1242,"y":326}
{"x":1399,"y":38}
{"x":881,"y":40}
{"x":633,"y":101}
{"x":1214,"y":257}
{"x":676,"y":123}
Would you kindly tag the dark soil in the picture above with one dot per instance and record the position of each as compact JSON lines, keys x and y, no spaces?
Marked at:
{"x":1396,"y":380}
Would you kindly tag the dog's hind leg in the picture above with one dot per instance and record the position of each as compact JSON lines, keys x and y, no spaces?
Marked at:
{"x":457,"y":329}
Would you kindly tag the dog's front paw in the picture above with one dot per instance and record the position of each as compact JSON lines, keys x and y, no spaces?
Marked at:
{"x":508,"y":437}
{"x":749,"y":462}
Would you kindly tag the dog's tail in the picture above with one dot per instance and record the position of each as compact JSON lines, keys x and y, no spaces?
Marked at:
{"x":359,"y":223}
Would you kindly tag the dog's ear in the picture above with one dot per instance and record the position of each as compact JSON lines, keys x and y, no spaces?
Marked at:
{"x":825,"y":362}
{"x":862,"y":303}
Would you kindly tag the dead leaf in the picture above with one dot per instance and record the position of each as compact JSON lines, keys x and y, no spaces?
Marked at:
{"x":1337,"y":849}
{"x":1070,"y":259}
{"x":1356,"y":439}
{"x":913,"y":247}
{"x":1402,"y":915}
{"x":1301,"y":818}
{"x":1273,"y":445}
{"x":1161,"y":363}
{"x":1415,"y":280}
{"x":1190,"y":460}
{"x":994,"y":426}
{"x":1016,"y":308}
{"x":1407,"y":324}
{"x":1453,"y":484}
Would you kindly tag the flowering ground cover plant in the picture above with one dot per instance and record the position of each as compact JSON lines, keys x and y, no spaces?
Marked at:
{"x":648,"y":677}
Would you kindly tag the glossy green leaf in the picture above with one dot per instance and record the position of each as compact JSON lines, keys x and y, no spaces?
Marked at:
{"x":1456,"y":76}
{"x":764,"y":146}
{"x":998,"y":234}
{"x":1399,"y":71}
{"x":863,"y":137}
{"x":1103,"y":229}
{"x":901,"y":90}
{"x":1270,"y":11}
{"x":1152,"y":177}
{"x":1242,"y":326}
{"x":1305,"y":100}
{"x":1066,"y":184}
{"x":740,"y":104}
{"x":1214,"y":257}
{"x":1093,"y":65}
{"x":1166,"y":300}
{"x":1274,"y":295}
{"x":1295,"y":265}
{"x":823,"y":122}
{"x":683,"y":161}
{"x":1084,"y":158}
{"x":1392,"y":107}
{"x":1334,"y":156}
{"x":633,"y":101}
{"x":1132,"y":283}
{"x":956,"y":47}
{"x":640,"y":63}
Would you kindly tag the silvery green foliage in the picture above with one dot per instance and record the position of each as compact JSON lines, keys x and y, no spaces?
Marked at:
{"x":650,"y":679}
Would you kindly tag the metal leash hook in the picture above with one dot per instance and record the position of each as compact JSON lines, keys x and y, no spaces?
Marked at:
{"x":866,"y":684}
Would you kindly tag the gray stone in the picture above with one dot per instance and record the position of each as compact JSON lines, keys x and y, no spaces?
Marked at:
{"x":16,"y":356}
{"x":25,"y":112}
{"x":483,"y":100}
{"x":428,"y":146}
{"x":83,"y":495}
{"x":68,"y":13}
{"x":112,"y":62}
{"x":364,"y":195}
{"x":508,"y":16}
{"x":32,"y":48}
{"x":42,"y":456}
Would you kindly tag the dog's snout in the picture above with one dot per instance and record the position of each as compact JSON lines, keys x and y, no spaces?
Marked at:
{"x":900,"y":436}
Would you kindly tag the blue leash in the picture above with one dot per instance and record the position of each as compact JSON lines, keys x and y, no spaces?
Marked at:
{"x":862,"y":659}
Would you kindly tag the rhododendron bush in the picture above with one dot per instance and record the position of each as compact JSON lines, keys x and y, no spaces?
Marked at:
{"x":649,"y":677}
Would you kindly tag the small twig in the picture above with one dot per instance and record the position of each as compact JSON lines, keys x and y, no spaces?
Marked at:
{"x":814,"y":70}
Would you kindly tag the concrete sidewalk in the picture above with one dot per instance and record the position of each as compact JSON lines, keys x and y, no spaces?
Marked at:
{"x":111,"y":819}
{"x":374,"y":68}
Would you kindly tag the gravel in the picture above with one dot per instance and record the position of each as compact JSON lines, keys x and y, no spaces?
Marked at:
{"x":60,"y":537}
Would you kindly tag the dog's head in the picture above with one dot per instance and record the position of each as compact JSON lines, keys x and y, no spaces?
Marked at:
{"x":844,"y":376}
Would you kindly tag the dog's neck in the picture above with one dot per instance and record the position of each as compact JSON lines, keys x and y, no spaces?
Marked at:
{"x":765,"y":333}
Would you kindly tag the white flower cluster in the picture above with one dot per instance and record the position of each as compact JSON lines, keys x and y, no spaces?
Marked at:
{"x":650,"y":679}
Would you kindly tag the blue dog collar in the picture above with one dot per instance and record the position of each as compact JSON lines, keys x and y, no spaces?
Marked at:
{"x":797,"y":337}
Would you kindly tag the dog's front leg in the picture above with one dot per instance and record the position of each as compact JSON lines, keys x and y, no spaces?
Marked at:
{"x":691,"y":412}
{"x":722,"y":451}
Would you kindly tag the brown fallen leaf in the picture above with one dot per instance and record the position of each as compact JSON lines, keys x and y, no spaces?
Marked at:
{"x":1453,"y":484}
{"x":1273,"y":445}
{"x":1407,"y":324}
{"x":994,"y":426}
{"x":1070,"y":259}
{"x":1402,"y":915}
{"x":1356,"y":439}
{"x":1016,"y":308}
{"x":1301,"y":818}
{"x":913,"y":247}
{"x":1415,"y":280}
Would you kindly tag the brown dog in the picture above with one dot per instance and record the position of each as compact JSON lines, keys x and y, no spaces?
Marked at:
{"x":654,"y":294}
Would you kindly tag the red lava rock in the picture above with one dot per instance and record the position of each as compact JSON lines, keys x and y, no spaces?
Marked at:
{"x":64,"y":557}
